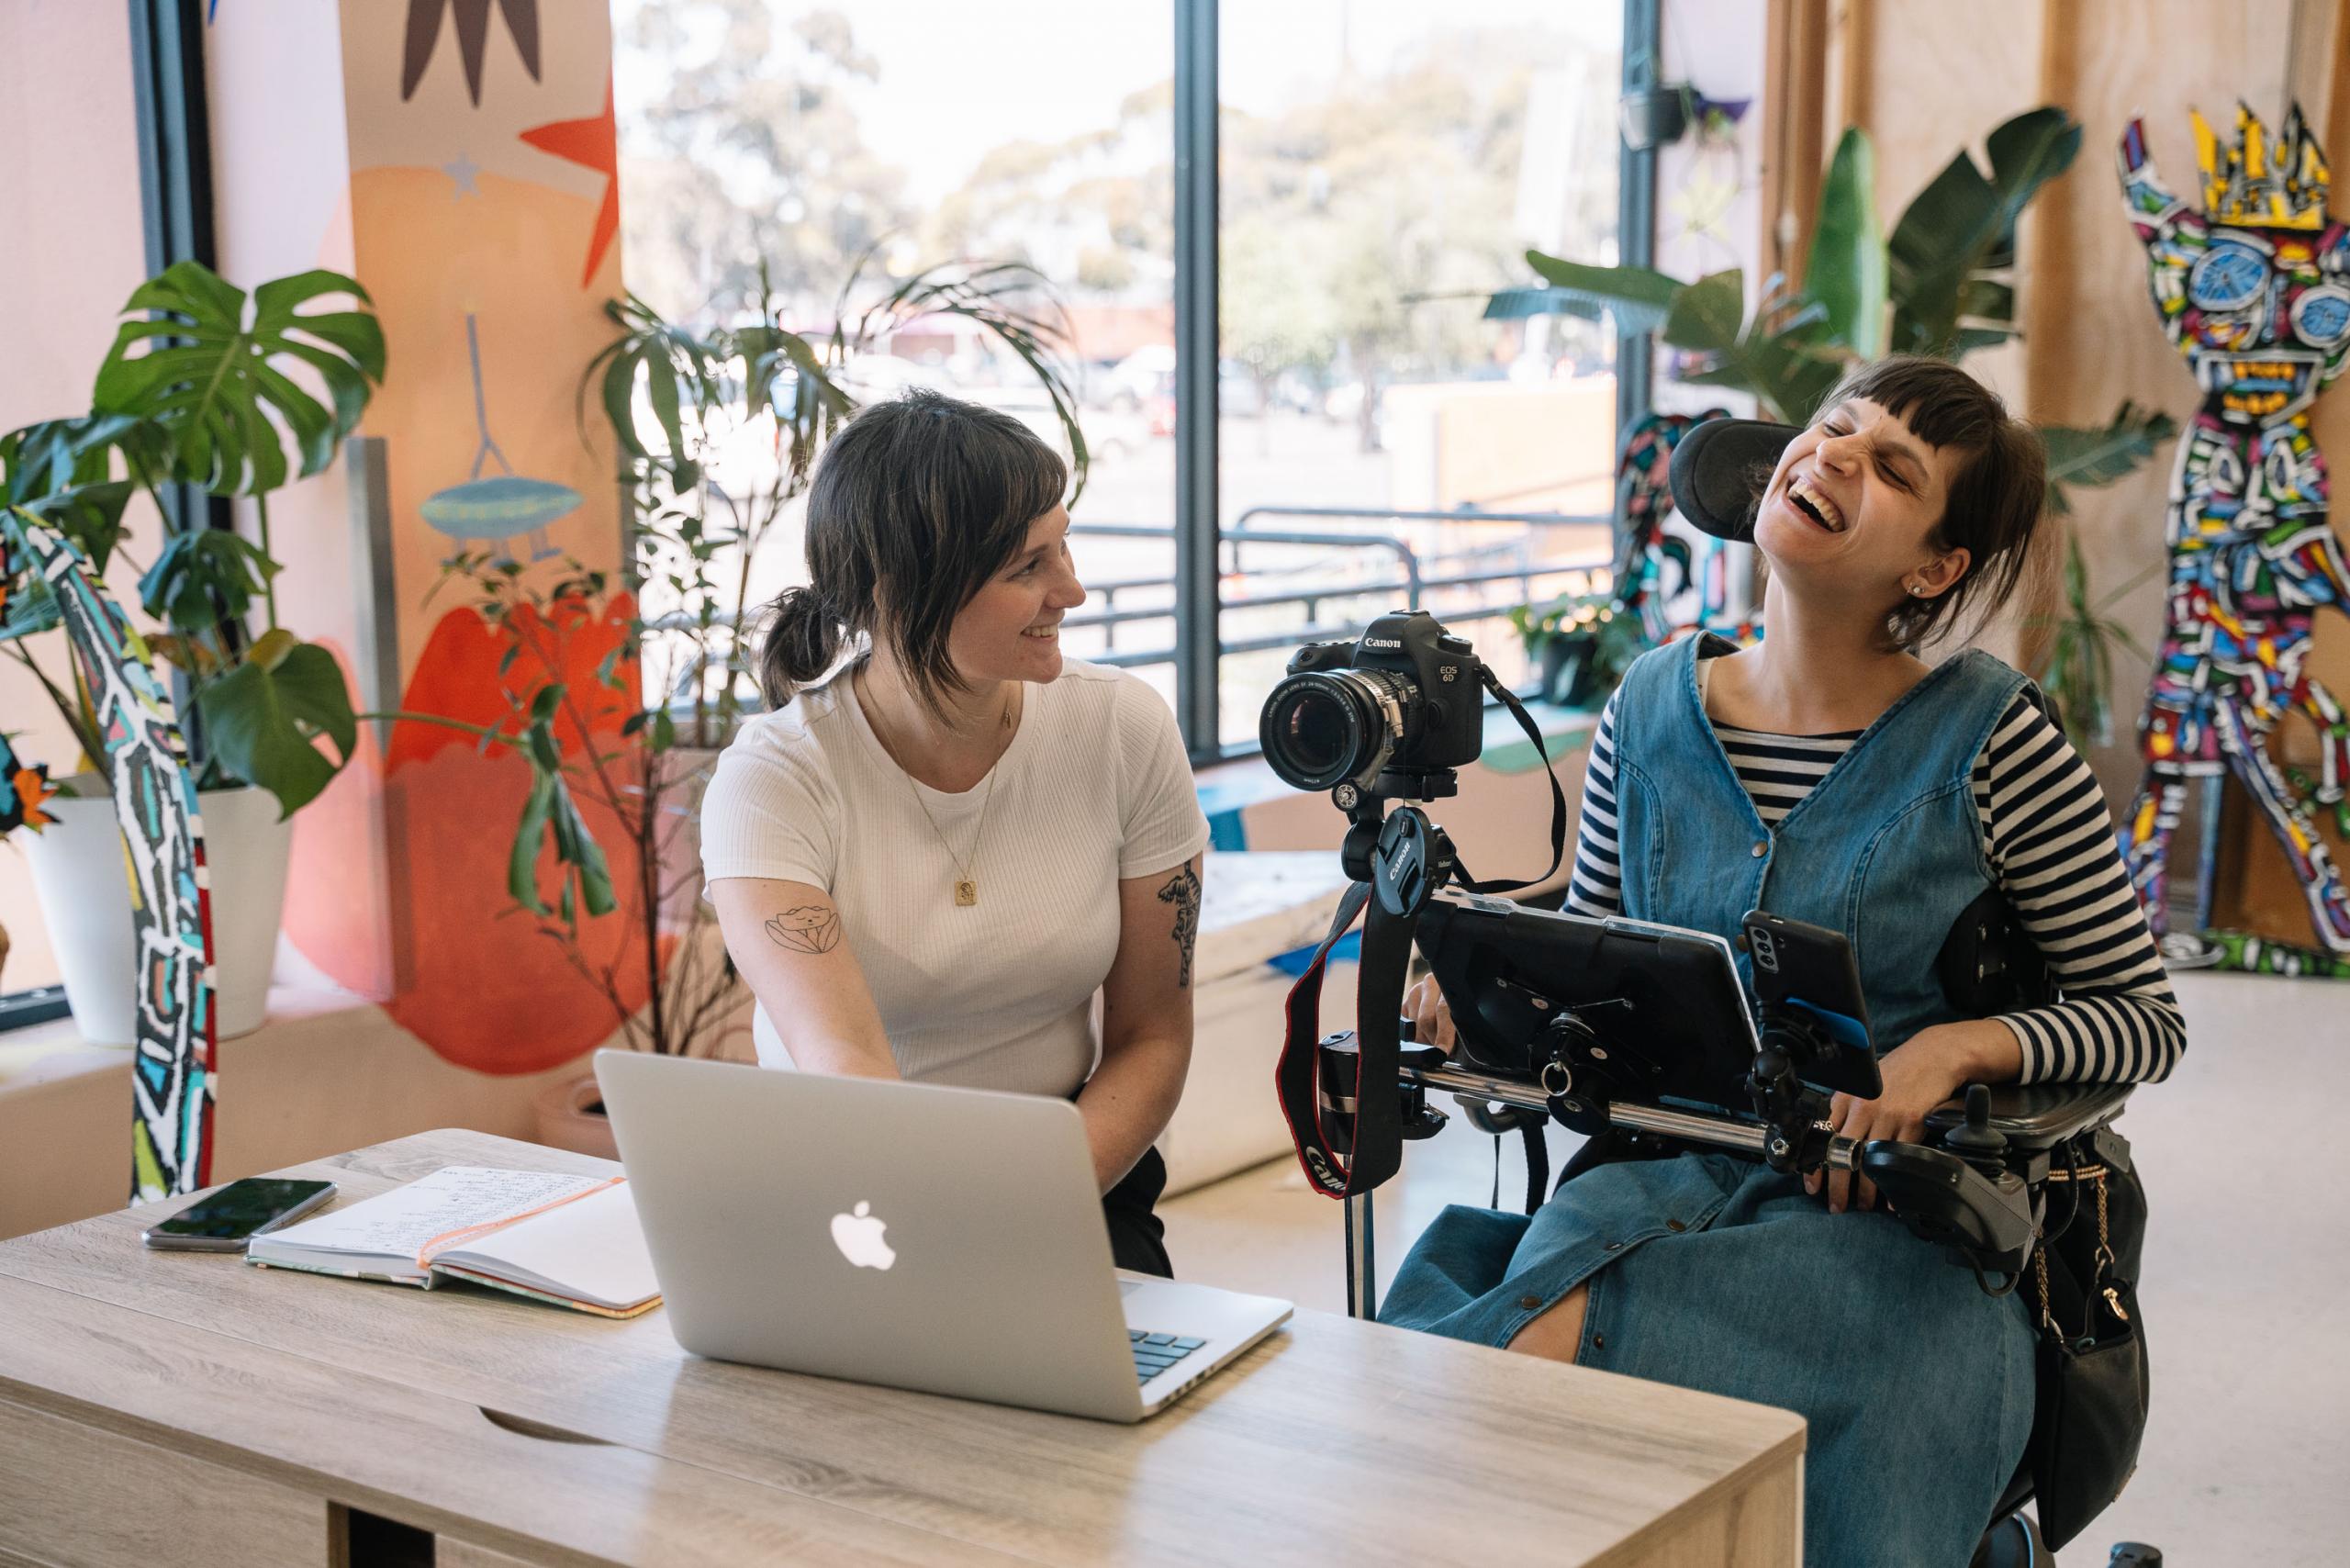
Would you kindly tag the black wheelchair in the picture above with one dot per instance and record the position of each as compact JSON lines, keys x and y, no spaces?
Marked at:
{"x":1984,"y":1188}
{"x":2001,"y":1164}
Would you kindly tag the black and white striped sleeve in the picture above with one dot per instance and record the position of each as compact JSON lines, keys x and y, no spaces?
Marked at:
{"x":1596,"y":888}
{"x":2053,"y":847}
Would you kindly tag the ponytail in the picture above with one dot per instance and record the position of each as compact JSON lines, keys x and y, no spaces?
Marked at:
{"x":802,"y":642}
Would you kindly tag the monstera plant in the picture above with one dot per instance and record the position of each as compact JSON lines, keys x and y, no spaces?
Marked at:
{"x":1938,"y":283}
{"x":205,"y":390}
{"x":200,"y":391}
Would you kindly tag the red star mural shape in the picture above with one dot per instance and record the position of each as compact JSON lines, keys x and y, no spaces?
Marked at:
{"x":593,"y":143}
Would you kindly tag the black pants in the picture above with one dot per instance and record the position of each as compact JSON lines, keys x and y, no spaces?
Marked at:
{"x":1138,"y":1239}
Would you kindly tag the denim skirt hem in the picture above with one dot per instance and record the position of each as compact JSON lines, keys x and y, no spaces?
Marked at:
{"x":1718,"y":1273}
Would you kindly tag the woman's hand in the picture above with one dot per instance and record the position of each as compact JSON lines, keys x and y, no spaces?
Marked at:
{"x":1927,"y":1071}
{"x":1431,"y":1015}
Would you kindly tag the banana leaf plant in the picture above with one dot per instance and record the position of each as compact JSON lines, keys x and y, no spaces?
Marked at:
{"x":1933,"y":285}
{"x":1936,"y":284}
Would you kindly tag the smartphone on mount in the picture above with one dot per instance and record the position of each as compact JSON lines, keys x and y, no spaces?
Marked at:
{"x":1800,"y":965}
{"x":225,"y":1221}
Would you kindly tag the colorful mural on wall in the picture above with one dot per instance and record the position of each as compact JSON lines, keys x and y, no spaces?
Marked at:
{"x":476,"y":198}
{"x":2254,"y":289}
{"x":172,"y":1075}
{"x":1643,"y":549}
{"x":470,"y":20}
{"x":494,"y":509}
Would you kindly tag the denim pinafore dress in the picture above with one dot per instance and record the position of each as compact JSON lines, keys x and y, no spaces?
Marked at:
{"x":1713,"y":1272}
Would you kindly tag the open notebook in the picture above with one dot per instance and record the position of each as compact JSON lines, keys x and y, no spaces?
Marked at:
{"x":573,"y":1240}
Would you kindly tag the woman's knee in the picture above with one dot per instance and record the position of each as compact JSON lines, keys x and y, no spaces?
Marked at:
{"x":1555,"y":1334}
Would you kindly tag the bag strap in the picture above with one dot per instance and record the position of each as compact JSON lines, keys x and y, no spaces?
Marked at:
{"x":2103,"y":1260}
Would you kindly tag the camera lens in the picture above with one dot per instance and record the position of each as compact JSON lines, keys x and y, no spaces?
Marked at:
{"x":1324,"y":727}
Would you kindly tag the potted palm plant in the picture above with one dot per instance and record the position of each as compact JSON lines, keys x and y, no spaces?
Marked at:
{"x":678,"y":401}
{"x":199,"y":392}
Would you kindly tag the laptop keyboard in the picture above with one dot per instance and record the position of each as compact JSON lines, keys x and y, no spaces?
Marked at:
{"x":1154,"y":1353}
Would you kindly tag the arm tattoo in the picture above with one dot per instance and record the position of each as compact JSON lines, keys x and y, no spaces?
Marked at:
{"x":811,"y":928}
{"x":1183,"y":891}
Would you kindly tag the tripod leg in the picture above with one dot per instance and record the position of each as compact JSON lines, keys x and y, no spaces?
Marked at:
{"x":1362,"y":1269}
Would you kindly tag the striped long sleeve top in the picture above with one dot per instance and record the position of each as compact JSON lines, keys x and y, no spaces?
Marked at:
{"x":2052,"y":848}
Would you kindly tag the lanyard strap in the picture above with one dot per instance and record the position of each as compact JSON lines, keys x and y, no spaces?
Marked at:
{"x":1340,"y":1161}
{"x":1336,"y":1166}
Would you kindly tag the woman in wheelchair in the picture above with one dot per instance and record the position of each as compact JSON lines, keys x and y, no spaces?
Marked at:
{"x":1828,"y":775}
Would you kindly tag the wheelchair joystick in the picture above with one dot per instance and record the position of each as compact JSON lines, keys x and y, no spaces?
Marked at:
{"x":1976,"y":1141}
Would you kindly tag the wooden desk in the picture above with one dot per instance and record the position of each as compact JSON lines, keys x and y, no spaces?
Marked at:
{"x":185,"y":1407}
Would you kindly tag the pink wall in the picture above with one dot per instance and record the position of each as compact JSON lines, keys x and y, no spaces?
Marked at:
{"x":71,"y":178}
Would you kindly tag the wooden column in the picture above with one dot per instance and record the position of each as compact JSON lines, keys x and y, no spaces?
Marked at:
{"x":1794,"y":90}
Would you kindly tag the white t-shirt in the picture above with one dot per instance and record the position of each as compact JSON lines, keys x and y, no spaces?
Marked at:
{"x":1094,"y":788}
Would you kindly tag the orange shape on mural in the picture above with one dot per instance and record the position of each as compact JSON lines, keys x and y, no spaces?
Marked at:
{"x":458,"y":965}
{"x":592,"y":144}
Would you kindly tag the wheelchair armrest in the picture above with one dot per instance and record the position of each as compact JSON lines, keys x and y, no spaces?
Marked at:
{"x":2035,"y":1118}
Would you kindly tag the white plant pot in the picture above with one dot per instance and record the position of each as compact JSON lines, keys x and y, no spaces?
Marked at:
{"x":78,"y":870}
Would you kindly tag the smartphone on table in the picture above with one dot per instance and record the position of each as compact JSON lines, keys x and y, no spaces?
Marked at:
{"x":225,"y":1221}
{"x":1801,"y":965}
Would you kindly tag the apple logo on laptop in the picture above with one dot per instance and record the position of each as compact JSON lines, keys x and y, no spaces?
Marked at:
{"x":859,"y":1236}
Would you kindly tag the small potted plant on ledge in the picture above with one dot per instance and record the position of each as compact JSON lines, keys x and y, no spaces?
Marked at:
{"x":198,"y":396}
{"x":1579,"y":646}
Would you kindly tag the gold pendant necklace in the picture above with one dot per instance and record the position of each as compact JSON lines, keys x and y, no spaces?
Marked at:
{"x":967,"y":885}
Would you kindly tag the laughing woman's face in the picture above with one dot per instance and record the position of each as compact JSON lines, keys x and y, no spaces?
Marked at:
{"x":1851,"y":510}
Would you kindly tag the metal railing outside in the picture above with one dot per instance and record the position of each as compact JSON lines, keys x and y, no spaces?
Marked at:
{"x":1434,"y":583}
{"x":1417,"y":581}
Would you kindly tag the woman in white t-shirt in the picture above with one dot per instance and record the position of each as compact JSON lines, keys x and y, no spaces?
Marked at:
{"x":928,"y":862}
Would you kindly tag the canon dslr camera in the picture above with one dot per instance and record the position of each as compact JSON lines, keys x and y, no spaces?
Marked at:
{"x":1390,"y":715}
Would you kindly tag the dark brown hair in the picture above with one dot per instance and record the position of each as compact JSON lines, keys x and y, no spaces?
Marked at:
{"x":1995,"y":496}
{"x":915,"y":505}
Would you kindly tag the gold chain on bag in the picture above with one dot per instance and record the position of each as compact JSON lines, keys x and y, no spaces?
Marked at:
{"x":2105,"y":1259}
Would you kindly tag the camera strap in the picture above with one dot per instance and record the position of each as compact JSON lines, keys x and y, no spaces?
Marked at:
{"x":1558,"y":798}
{"x":1372,"y":1149}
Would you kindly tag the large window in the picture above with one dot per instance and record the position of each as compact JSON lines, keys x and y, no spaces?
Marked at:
{"x":1386,"y":164}
{"x":913,"y":132}
{"x":1383,"y":166}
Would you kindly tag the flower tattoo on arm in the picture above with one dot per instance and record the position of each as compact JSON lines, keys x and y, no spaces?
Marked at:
{"x":1183,"y":891}
{"x":811,"y":928}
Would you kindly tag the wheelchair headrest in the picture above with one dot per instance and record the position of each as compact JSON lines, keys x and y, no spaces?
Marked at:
{"x":1719,"y":470}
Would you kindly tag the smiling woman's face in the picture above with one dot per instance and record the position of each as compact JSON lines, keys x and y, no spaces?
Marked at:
{"x":1011,"y":628}
{"x":1853,"y":508}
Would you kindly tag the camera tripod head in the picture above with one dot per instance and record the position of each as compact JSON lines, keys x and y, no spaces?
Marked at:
{"x":1405,"y":856}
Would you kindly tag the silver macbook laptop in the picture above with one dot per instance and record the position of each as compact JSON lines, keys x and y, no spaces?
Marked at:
{"x":943,"y":1239}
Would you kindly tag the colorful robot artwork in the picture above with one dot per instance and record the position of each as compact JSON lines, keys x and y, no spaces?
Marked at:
{"x":1643,"y":549}
{"x":2254,"y":291}
{"x":172,"y":1079}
